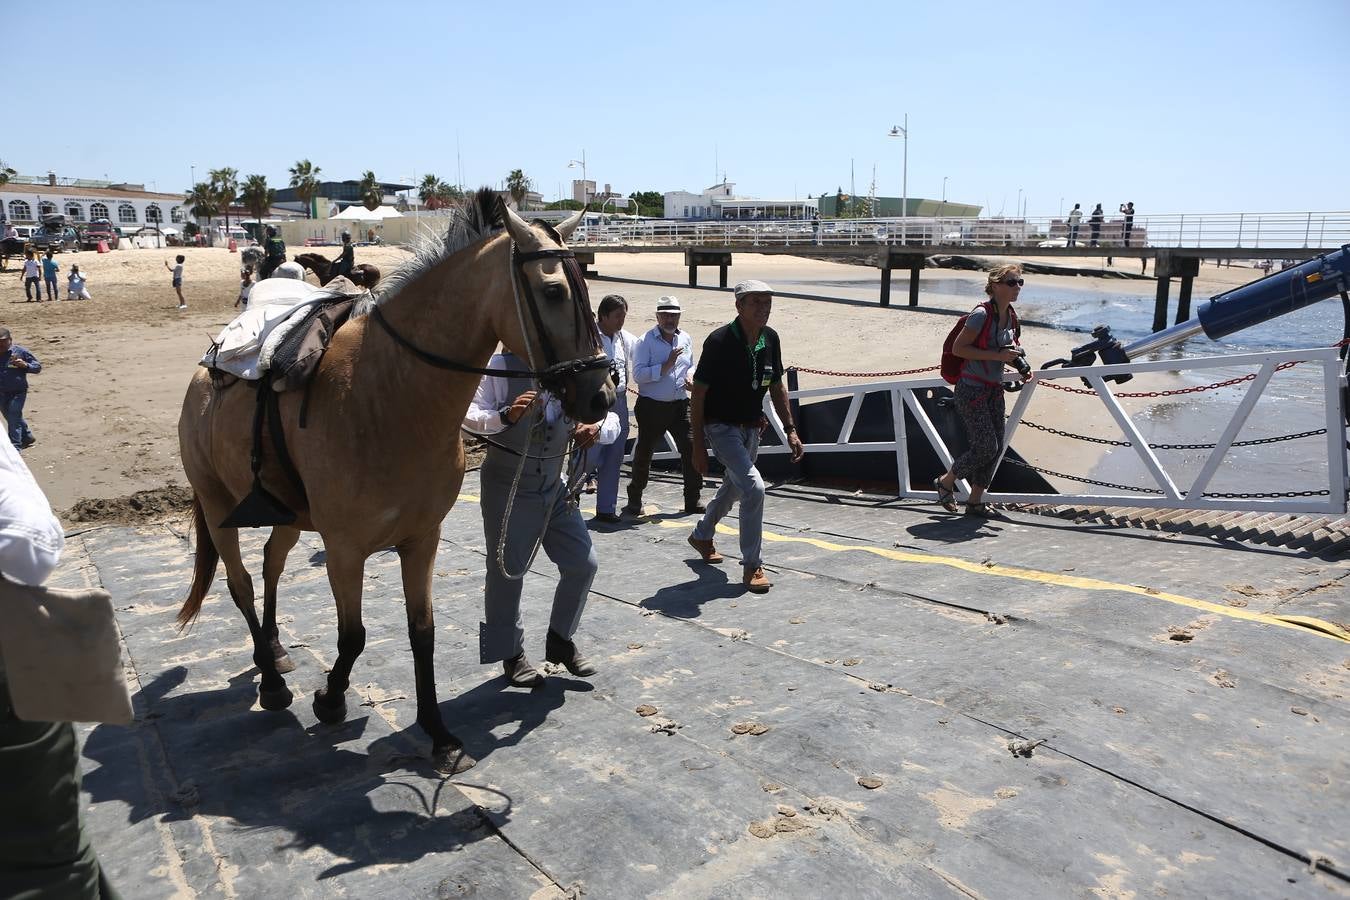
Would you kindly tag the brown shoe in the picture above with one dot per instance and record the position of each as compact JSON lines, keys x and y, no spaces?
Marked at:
{"x":755,"y":582}
{"x":705,"y":549}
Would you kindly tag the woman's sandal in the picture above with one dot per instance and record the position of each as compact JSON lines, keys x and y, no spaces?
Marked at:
{"x":983,"y":511}
{"x":945,"y":497}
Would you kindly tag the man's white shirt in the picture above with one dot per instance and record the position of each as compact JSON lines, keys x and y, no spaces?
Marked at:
{"x":652,"y":353}
{"x":31,"y":539}
{"x":494,"y":394}
{"x":621,"y":351}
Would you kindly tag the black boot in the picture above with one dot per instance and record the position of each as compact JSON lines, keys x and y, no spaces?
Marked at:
{"x":562,"y":651}
{"x":521,"y":672}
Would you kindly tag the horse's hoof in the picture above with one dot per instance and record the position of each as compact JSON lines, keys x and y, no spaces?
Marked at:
{"x":452,"y":760}
{"x":329,"y":712}
{"x":284,"y":663}
{"x":275,"y":699}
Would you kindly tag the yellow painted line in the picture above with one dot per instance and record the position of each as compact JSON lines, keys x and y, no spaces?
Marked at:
{"x":1304,"y":624}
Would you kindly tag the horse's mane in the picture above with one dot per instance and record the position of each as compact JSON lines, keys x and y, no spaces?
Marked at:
{"x":478,"y":218}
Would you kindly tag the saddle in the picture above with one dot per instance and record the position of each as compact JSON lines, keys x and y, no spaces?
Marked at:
{"x":287,"y":357}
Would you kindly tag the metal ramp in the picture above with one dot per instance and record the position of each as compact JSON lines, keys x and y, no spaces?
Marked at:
{"x":922,"y":706}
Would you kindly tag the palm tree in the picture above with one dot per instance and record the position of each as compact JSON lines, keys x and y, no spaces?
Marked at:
{"x":372,"y":195}
{"x":258,"y":197}
{"x":518,"y":185}
{"x":225,"y":182}
{"x":201,"y":201}
{"x":429,"y":191}
{"x":6,"y":173}
{"x":305,"y":180}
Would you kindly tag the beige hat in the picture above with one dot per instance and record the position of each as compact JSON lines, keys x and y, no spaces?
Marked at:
{"x":752,"y":287}
{"x":668,"y":304}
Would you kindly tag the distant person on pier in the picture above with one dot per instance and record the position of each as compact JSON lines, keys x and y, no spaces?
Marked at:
{"x":1095,"y":225}
{"x":1075,"y":217}
{"x":985,"y":346}
{"x":1128,"y":210}
{"x":606,"y":459}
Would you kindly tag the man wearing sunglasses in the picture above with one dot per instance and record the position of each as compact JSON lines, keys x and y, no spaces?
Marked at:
{"x":988,"y":341}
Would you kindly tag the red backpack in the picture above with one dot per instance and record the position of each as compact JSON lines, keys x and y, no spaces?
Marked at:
{"x":951,"y":363}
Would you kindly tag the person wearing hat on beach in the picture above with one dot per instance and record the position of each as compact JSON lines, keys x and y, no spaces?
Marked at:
{"x":343,"y":264}
{"x":16,"y":364}
{"x":527,"y":499}
{"x":274,"y":253}
{"x":662,"y":364}
{"x":740,"y":362}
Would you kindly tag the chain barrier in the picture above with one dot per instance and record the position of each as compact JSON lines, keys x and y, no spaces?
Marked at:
{"x":1214,"y":495}
{"x":1113,"y":443}
{"x":1173,"y":392}
{"x":897,"y":374}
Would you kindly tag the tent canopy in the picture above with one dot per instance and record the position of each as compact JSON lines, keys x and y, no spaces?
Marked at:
{"x":358,"y":213}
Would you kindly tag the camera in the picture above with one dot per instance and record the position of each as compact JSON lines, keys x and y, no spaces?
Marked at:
{"x":1020,"y":364}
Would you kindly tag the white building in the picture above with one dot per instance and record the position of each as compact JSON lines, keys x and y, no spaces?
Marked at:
{"x":25,"y":201}
{"x":720,"y":202}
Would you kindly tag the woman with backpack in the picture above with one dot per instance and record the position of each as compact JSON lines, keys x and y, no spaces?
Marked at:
{"x":988,"y":340}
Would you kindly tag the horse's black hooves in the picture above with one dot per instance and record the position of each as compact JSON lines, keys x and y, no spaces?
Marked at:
{"x":452,"y":760}
{"x":279,"y":698}
{"x":284,"y":663}
{"x":329,"y":712}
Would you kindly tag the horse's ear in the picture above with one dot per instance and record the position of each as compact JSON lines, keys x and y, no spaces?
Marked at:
{"x":518,"y":227}
{"x":569,"y":225}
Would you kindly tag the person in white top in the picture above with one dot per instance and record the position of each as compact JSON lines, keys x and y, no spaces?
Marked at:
{"x":75,"y":285}
{"x":44,"y":850}
{"x":605,"y":460}
{"x":32,"y":277}
{"x":663,"y":366}
{"x":520,"y":421}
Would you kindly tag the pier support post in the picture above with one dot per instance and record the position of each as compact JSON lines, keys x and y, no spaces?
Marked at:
{"x":888,"y":259}
{"x":695,"y":258}
{"x":1162,"y":268}
{"x":585,"y":259}
{"x":1187,"y":268}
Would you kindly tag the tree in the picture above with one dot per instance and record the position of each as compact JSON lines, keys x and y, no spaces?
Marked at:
{"x":518,"y":185}
{"x":201,"y":201}
{"x":436,"y":194}
{"x":257,"y":196}
{"x":225,"y":183}
{"x":649,"y":203}
{"x":6,"y":173}
{"x":305,"y":180}
{"x":372,"y":195}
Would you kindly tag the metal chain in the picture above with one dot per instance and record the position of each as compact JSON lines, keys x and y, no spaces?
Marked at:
{"x":1096,"y":440}
{"x":1105,"y":484}
{"x":1269,"y":495}
{"x":862,"y":374}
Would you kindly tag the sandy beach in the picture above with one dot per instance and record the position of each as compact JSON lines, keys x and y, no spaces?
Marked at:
{"x":105,"y":407}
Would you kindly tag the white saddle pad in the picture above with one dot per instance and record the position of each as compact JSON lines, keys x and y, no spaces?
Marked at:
{"x":244,"y":348}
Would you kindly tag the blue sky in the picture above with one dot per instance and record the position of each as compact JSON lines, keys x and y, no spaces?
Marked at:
{"x":1179,"y":106}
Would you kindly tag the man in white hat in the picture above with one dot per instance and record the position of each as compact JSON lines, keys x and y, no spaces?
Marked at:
{"x":739,"y":363}
{"x":662,"y":364}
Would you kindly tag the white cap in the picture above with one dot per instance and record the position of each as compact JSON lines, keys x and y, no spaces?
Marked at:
{"x":751,"y":287}
{"x":668,"y":304}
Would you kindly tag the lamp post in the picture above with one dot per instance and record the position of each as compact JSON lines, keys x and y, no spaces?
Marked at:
{"x":902,"y":131}
{"x":585,"y":191}
{"x":944,"y":195}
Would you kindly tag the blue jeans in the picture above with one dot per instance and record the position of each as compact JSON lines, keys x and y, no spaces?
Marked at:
{"x":606,"y":459}
{"x":52,"y":292}
{"x":736,"y":447}
{"x":11,"y":406}
{"x":31,"y":285}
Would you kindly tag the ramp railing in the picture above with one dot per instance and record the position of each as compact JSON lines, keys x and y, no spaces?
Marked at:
{"x":1162,"y":482}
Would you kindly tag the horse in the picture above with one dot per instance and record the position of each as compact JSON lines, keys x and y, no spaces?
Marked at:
{"x":381,"y":459}
{"x":363,"y":274}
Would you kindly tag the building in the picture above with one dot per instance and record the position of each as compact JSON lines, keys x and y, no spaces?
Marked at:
{"x":26,"y":199}
{"x":720,"y":202}
{"x":341,"y":194}
{"x":839,"y":205}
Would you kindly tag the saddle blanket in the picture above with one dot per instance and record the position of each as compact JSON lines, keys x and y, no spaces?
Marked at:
{"x":244,"y":347}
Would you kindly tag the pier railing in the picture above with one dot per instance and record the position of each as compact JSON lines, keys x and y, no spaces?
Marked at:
{"x":1258,"y":231}
{"x":1158,"y":478}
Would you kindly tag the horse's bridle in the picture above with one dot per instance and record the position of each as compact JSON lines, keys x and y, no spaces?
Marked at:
{"x":556,"y":371}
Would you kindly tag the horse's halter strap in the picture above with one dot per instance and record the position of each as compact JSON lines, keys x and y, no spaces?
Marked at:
{"x":553,"y":375}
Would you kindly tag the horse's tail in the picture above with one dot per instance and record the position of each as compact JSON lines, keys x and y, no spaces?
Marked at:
{"x":203,"y":567}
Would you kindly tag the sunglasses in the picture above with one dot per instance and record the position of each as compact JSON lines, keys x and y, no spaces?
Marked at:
{"x":1013,"y":282}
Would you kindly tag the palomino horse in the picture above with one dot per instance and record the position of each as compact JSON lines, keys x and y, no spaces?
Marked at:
{"x":380,"y":457}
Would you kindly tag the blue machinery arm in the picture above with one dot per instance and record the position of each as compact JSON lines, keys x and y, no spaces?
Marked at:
{"x":1251,"y":304}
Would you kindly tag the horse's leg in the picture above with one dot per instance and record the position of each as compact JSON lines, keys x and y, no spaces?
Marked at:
{"x":418,"y":558}
{"x":272,"y":690}
{"x":274,"y":563}
{"x":345,"y":570}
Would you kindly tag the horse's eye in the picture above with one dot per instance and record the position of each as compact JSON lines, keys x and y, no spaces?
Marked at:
{"x":555,"y":292}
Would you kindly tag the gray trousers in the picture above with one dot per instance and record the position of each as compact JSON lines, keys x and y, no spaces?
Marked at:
{"x":566,"y":542}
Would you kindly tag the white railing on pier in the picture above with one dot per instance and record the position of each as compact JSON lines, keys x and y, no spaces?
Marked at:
{"x":1160,"y":483}
{"x":1255,"y":231}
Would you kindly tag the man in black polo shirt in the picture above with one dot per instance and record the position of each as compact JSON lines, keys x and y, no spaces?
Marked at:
{"x":740,"y":361}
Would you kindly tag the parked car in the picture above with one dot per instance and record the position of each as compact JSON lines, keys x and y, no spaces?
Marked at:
{"x":55,"y":237}
{"x":99,"y":230}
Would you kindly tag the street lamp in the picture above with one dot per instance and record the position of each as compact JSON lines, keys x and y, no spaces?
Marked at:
{"x":902,"y":131}
{"x":585,"y":191}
